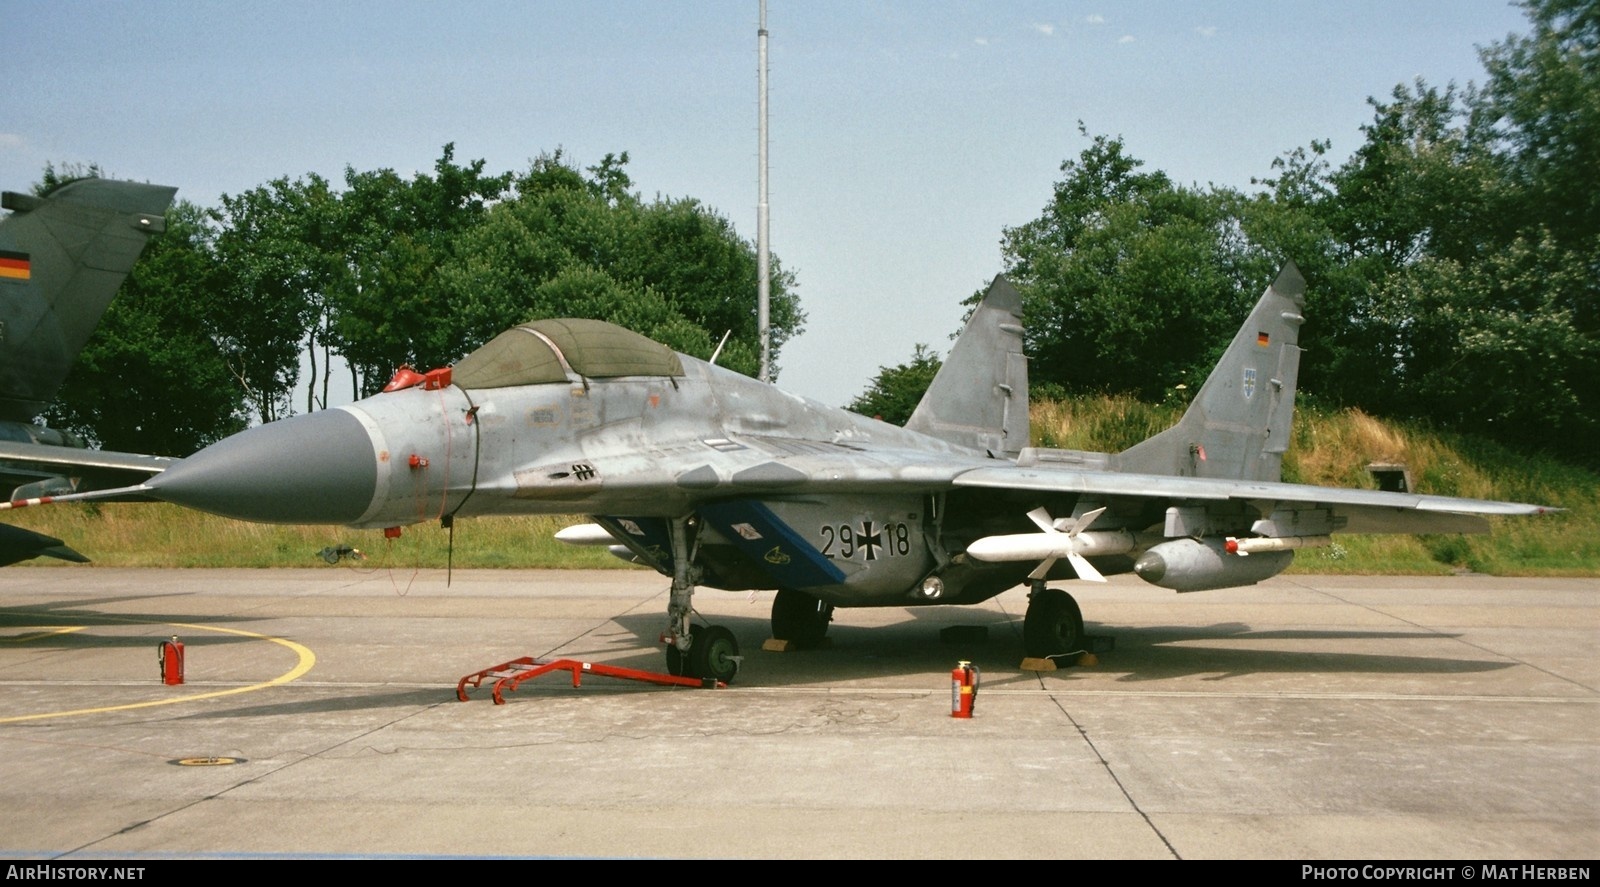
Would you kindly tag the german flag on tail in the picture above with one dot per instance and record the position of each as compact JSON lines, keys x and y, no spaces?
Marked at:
{"x":14,"y":265}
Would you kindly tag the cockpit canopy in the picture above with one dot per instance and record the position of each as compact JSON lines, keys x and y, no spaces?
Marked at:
{"x":541,"y":351}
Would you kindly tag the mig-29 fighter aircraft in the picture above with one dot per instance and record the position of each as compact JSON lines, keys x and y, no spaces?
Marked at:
{"x":715,"y":479}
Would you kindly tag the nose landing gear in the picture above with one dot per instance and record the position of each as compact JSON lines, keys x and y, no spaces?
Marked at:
{"x":697,"y":651}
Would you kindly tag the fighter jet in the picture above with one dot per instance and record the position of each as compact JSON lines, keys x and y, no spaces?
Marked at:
{"x":63,"y":255}
{"x":715,"y":479}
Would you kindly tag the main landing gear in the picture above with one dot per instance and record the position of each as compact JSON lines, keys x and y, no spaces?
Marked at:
{"x":696,"y":651}
{"x":799,"y":617}
{"x":1053,"y":625}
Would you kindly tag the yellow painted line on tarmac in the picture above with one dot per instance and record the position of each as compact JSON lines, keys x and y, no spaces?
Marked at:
{"x":305,"y":660}
{"x":59,"y":630}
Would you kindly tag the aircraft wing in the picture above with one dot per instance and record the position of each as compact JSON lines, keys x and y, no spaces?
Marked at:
{"x":753,"y":464}
{"x":87,"y":469}
{"x":748,"y":464}
{"x":1348,"y":511}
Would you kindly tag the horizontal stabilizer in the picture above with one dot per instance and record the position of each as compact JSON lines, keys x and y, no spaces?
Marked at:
{"x":17,"y":544}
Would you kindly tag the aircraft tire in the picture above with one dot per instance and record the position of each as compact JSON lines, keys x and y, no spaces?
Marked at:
{"x":714,"y":654}
{"x":677,"y":662}
{"x":800,"y":617}
{"x":1053,"y":625}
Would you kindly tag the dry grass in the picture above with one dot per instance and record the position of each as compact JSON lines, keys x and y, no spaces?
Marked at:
{"x":1100,"y":423}
{"x":159,"y":535}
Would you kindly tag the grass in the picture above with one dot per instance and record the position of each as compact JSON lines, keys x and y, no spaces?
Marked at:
{"x":1333,"y":448}
{"x":160,"y":535}
{"x":1330,"y":448}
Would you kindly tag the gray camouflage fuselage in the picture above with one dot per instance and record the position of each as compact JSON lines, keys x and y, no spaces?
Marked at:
{"x":717,"y":479}
{"x":791,"y":493}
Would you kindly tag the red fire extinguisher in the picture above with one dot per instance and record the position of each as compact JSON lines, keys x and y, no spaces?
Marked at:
{"x":171,"y":658}
{"x":963,"y":689}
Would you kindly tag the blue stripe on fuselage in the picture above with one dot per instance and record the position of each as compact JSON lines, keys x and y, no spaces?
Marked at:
{"x":783,"y":554}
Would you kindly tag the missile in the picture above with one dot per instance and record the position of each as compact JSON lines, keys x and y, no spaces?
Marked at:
{"x":1254,"y":544}
{"x":1063,"y":538}
{"x":1044,"y":546}
{"x":588,"y":534}
{"x":594,"y":534}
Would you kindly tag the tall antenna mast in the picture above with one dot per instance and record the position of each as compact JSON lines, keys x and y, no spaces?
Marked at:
{"x":763,"y":248}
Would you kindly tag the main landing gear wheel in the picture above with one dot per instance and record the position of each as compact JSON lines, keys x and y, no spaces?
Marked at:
{"x":1053,"y":625}
{"x":799,"y":617}
{"x":713,"y":653}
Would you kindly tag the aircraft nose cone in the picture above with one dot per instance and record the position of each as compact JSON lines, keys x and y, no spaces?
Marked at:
{"x":318,"y":468}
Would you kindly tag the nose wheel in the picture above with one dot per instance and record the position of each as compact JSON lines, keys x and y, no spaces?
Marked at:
{"x":713,"y":653}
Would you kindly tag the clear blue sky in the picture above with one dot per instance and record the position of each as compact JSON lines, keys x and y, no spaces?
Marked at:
{"x":905,"y":136}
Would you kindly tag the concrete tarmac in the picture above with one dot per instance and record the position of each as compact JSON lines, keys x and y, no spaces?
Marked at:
{"x":1308,"y":717}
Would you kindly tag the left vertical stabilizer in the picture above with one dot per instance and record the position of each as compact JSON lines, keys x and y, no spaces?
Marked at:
{"x":979,"y":398}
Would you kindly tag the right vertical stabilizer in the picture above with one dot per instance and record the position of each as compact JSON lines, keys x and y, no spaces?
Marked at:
{"x":1238,"y":425}
{"x":62,"y":258}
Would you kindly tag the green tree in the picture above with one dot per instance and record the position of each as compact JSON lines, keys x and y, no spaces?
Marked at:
{"x":1493,"y":349}
{"x":395,"y":271}
{"x":280,"y":258}
{"x":1123,"y":262}
{"x":1452,"y":261}
{"x":694,"y":258}
{"x":1420,"y":187}
{"x":1542,"y":105}
{"x":895,"y":392}
{"x":570,"y":244}
{"x":54,"y":178}
{"x":1468,"y":286}
{"x":1542,"y":102}
{"x":394,"y":236}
